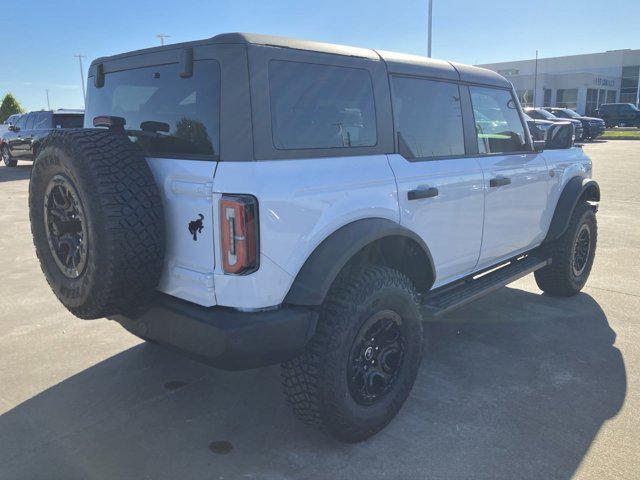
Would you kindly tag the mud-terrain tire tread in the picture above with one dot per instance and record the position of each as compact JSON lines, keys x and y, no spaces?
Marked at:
{"x":125,"y":207}
{"x":558,"y":279}
{"x":304,"y":378}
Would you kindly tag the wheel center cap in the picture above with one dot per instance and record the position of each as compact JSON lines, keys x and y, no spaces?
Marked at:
{"x":368,"y":353}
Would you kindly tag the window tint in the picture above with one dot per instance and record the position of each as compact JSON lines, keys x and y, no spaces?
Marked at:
{"x":428,"y":116}
{"x":43,"y":120}
{"x":165,"y":113}
{"x":31,"y":118}
{"x":21,"y":121}
{"x":498,"y":123}
{"x":68,"y":121}
{"x":320,"y":106}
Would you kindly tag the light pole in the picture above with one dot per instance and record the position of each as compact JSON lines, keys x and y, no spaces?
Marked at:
{"x":84,"y":93}
{"x":162,"y":36}
{"x":535,"y":81}
{"x":430,"y":23}
{"x":48,"y":103}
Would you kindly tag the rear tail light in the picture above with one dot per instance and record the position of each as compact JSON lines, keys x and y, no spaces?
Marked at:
{"x":239,"y":233}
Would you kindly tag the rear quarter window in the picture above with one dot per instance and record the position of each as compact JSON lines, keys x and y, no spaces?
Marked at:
{"x":320,"y":106}
{"x":165,"y":114}
{"x":68,"y":121}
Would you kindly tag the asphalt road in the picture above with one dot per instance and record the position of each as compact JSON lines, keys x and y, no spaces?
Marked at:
{"x":516,"y":386}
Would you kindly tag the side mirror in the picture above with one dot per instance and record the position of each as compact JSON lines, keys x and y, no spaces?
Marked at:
{"x":560,"y":136}
{"x":14,"y":128}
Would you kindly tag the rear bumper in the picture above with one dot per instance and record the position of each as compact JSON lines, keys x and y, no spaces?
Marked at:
{"x":222,"y":337}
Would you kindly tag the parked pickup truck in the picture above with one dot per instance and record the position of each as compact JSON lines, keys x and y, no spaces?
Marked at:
{"x":251,"y":200}
{"x":619,"y":114}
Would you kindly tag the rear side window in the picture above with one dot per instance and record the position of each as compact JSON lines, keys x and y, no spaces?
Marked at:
{"x":321,"y":106}
{"x":68,"y":121}
{"x":165,"y":114}
{"x":498,"y":123}
{"x":428,"y":117}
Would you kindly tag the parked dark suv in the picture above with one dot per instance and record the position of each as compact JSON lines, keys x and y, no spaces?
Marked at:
{"x":22,"y":139}
{"x":592,"y":127}
{"x":619,"y":114}
{"x":542,"y":114}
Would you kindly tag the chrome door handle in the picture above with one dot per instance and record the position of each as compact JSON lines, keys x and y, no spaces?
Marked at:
{"x":419,"y":193}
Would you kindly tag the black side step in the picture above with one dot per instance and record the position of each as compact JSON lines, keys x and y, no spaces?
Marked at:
{"x":444,"y":299}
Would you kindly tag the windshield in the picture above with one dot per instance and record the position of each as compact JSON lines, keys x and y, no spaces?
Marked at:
{"x":165,"y":114}
{"x":546,"y":115}
{"x":571,"y":113}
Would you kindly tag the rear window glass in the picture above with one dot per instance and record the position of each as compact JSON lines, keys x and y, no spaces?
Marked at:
{"x":165,"y":114}
{"x":321,"y":106}
{"x":68,"y":121}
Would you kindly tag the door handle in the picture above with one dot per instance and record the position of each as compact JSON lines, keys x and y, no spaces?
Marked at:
{"x":499,"y":182}
{"x":419,"y":193}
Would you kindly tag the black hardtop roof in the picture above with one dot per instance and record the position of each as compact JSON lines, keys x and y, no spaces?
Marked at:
{"x":396,"y":62}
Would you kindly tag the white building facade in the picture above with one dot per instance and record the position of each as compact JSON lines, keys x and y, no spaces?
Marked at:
{"x":580,"y":82}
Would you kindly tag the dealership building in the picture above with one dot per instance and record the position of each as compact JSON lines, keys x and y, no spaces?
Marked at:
{"x":580,"y":82}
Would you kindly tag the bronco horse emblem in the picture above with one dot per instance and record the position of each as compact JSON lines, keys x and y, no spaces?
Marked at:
{"x":196,"y":226}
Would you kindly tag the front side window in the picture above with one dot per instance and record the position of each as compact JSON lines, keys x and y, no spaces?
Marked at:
{"x":498,"y":123}
{"x":43,"y":121}
{"x":21,"y":121}
{"x":31,"y":118}
{"x":165,"y":114}
{"x":428,"y":117}
{"x":320,"y":106}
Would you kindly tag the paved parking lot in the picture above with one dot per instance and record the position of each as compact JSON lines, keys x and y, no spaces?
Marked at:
{"x":516,"y":386}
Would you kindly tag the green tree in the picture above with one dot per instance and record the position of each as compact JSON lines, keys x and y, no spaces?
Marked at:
{"x":9,"y":106}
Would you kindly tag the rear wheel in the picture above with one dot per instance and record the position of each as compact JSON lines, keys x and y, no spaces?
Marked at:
{"x":572,"y":255}
{"x":361,"y":365}
{"x":7,"y":159}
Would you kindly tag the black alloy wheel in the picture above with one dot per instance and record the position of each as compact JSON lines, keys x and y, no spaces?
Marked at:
{"x":376,"y":357}
{"x":65,"y":226}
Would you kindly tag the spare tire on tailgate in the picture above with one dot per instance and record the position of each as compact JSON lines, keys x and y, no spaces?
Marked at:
{"x":97,"y":221}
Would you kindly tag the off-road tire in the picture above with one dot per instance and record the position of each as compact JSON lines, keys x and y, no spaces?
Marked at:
{"x":7,"y":159}
{"x":559,"y":278}
{"x":315,"y":383}
{"x":124,"y":221}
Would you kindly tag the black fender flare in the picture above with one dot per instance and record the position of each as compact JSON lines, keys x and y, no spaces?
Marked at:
{"x":576,"y":189}
{"x":321,"y":268}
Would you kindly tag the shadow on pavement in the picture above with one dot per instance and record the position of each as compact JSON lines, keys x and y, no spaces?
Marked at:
{"x":515,"y":386}
{"x":20,"y":172}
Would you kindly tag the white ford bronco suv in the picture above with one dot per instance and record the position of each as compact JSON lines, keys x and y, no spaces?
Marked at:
{"x":251,"y":200}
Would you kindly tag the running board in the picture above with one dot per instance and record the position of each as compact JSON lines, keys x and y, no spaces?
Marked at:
{"x":445,"y":299}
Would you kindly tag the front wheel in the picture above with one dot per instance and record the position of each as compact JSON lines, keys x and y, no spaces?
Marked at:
{"x":7,"y":159}
{"x":360,"y":366}
{"x":572,"y":255}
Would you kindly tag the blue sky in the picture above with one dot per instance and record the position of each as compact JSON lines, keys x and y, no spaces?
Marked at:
{"x":38,"y":38}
